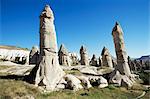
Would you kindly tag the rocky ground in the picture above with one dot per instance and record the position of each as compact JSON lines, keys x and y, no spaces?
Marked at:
{"x":13,"y":86}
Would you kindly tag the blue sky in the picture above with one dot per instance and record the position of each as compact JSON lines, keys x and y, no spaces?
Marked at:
{"x":78,"y":22}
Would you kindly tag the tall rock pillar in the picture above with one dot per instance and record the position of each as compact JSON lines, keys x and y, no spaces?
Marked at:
{"x":84,"y":56}
{"x":49,"y":72}
{"x":106,"y":58}
{"x":122,"y":62}
{"x":63,"y":55}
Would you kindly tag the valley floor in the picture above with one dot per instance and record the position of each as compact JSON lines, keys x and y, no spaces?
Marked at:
{"x":11,"y":89}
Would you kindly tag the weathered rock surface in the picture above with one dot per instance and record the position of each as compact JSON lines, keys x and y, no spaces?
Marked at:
{"x":88,"y":70}
{"x":48,"y":72}
{"x":93,"y":61}
{"x":85,"y":81}
{"x":99,"y":81}
{"x":74,"y":59}
{"x":84,"y":56}
{"x":120,"y":80}
{"x":14,"y":54}
{"x":121,"y":75}
{"x":115,"y":78}
{"x":15,"y":69}
{"x":102,"y":82}
{"x":61,"y":85}
{"x":34,"y":55}
{"x":122,"y":62}
{"x":106,"y":58}
{"x":64,"y":58}
{"x":73,"y":82}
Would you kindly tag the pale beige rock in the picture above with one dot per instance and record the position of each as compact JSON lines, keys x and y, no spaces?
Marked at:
{"x":74,"y":58}
{"x":61,"y":85}
{"x":85,"y":81}
{"x":106,"y":58}
{"x":126,"y":82}
{"x":93,"y":61}
{"x":49,"y":72}
{"x":84,"y":56}
{"x":102,"y":82}
{"x":64,"y":58}
{"x":34,"y":55}
{"x":120,"y":80}
{"x":88,"y":70}
{"x":99,"y":81}
{"x":115,"y":78}
{"x":122,"y":62}
{"x":73,"y":82}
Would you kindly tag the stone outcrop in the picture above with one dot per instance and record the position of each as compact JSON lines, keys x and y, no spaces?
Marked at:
{"x":120,"y":80}
{"x":84,"y":56}
{"x":99,"y":61}
{"x":64,"y":58}
{"x":121,"y":75}
{"x":93,"y":61}
{"x":99,"y":81}
{"x":74,"y":59}
{"x":48,"y":71}
{"x":122,"y":62}
{"x":73,"y":82}
{"x":85,"y":81}
{"x":14,"y":54}
{"x":106,"y":58}
{"x":34,"y":55}
{"x":88,"y":70}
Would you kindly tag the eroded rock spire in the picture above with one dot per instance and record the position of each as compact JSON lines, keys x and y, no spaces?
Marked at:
{"x":63,"y":54}
{"x":122,"y":62}
{"x":49,"y":72}
{"x":84,"y":56}
{"x":106,"y":58}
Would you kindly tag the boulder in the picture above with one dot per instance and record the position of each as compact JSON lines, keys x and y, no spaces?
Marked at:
{"x":99,"y":81}
{"x":61,"y":85}
{"x":120,"y":80}
{"x":85,"y":81}
{"x":102,"y":82}
{"x":115,"y":78}
{"x":73,"y":82}
{"x":87,"y":70}
{"x":126,"y":82}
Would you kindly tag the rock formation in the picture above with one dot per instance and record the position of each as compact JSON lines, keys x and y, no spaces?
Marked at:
{"x":99,"y":61}
{"x":14,"y":54}
{"x":106,"y":58}
{"x":73,"y":82}
{"x":122,"y":62}
{"x":84,"y":56}
{"x":121,"y":76}
{"x":93,"y":61}
{"x":63,"y":54}
{"x":74,"y":59}
{"x":34,"y":55}
{"x":48,"y":72}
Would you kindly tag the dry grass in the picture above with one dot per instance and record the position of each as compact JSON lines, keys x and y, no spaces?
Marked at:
{"x":12,"y":88}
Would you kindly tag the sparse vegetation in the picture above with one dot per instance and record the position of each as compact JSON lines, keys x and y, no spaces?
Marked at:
{"x":74,"y":72}
{"x":13,"y":88}
{"x":145,"y":76}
